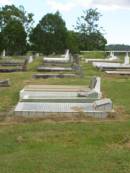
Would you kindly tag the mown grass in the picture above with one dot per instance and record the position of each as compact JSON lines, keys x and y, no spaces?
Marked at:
{"x":67,"y":148}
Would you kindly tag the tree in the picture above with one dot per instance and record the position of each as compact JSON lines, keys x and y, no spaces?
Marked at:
{"x":90,"y":36}
{"x":50,"y":34}
{"x":72,"y":41}
{"x":11,"y":12}
{"x":14,"y":37}
{"x":17,"y":16}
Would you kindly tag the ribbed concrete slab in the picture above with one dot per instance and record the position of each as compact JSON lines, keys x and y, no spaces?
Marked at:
{"x":57,"y":88}
{"x":44,"y":109}
{"x":42,"y":68}
{"x":118,"y":72}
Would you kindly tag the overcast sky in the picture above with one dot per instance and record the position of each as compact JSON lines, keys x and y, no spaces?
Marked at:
{"x":115,"y":19}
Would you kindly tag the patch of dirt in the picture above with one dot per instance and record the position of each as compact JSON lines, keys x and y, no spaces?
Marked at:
{"x":77,"y":109}
{"x":124,"y":143}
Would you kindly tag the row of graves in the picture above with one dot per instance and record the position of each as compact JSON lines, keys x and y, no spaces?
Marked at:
{"x":64,"y":66}
{"x":112,"y":65}
{"x":10,"y":65}
{"x":63,"y":100}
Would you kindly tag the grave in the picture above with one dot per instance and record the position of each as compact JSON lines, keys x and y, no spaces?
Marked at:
{"x":97,"y":109}
{"x":63,"y":59}
{"x":118,"y":72}
{"x":54,"y":92}
{"x":30,"y":59}
{"x":43,"y":100}
{"x":104,"y":66}
{"x":46,"y":76}
{"x":111,"y":58}
{"x":16,"y":69}
{"x":58,"y":69}
{"x":4,"y":83}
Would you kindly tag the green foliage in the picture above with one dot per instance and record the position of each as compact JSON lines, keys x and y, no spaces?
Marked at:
{"x":90,"y":36}
{"x":15,"y":25}
{"x":72,"y":42}
{"x":14,"y":37}
{"x":11,"y":12}
{"x":50,"y":34}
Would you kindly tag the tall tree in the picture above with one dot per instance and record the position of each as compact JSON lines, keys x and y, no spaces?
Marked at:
{"x":17,"y":16}
{"x":72,"y":41}
{"x":50,"y":34}
{"x":14,"y":37}
{"x":90,"y":35}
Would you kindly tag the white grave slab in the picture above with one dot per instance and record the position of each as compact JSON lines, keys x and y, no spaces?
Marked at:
{"x":65,"y":58}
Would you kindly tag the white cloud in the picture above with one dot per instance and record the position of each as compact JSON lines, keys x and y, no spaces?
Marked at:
{"x":112,"y":4}
{"x":55,"y":5}
{"x":101,"y":4}
{"x":5,"y":2}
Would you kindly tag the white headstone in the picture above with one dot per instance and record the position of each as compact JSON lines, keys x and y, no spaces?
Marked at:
{"x":3,"y":53}
{"x":30,"y":59}
{"x":127,"y":59}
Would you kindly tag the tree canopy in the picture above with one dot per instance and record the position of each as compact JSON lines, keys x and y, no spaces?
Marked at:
{"x":90,"y":35}
{"x":15,"y":25}
{"x":50,"y":34}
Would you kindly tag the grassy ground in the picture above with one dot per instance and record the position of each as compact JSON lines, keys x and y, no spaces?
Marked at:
{"x":65,"y":148}
{"x":46,"y":146}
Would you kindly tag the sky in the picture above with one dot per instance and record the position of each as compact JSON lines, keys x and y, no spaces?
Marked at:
{"x":115,"y":18}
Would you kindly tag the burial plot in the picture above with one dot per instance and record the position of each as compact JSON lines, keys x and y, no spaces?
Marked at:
{"x":118,"y":72}
{"x":43,"y":100}
{"x":9,"y":69}
{"x":95,"y":109}
{"x":63,"y":59}
{"x":110,"y":66}
{"x":46,"y":91}
{"x":111,"y":58}
{"x":46,"y":76}
{"x":4,"y":83}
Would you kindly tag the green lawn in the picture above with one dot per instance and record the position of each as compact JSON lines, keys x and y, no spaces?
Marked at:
{"x":65,"y":148}
{"x":48,"y":146}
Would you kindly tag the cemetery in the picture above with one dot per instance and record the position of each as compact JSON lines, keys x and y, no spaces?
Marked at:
{"x":64,"y":87}
{"x":65,"y":66}
{"x":35,"y":104}
{"x":10,"y":65}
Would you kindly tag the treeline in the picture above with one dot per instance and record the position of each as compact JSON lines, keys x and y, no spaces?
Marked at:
{"x":17,"y":34}
{"x":118,"y":47}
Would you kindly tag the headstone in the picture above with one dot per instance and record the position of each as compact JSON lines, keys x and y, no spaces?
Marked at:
{"x":103,"y":105}
{"x":4,"y":83}
{"x":127,"y":59}
{"x":30,"y":60}
{"x":3,"y":53}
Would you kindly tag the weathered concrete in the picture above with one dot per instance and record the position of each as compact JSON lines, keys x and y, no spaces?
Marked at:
{"x":4,"y":83}
{"x":111,"y":58}
{"x":44,"y":109}
{"x":118,"y":72}
{"x":113,"y":65}
{"x":65,"y":58}
{"x":46,"y":76}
